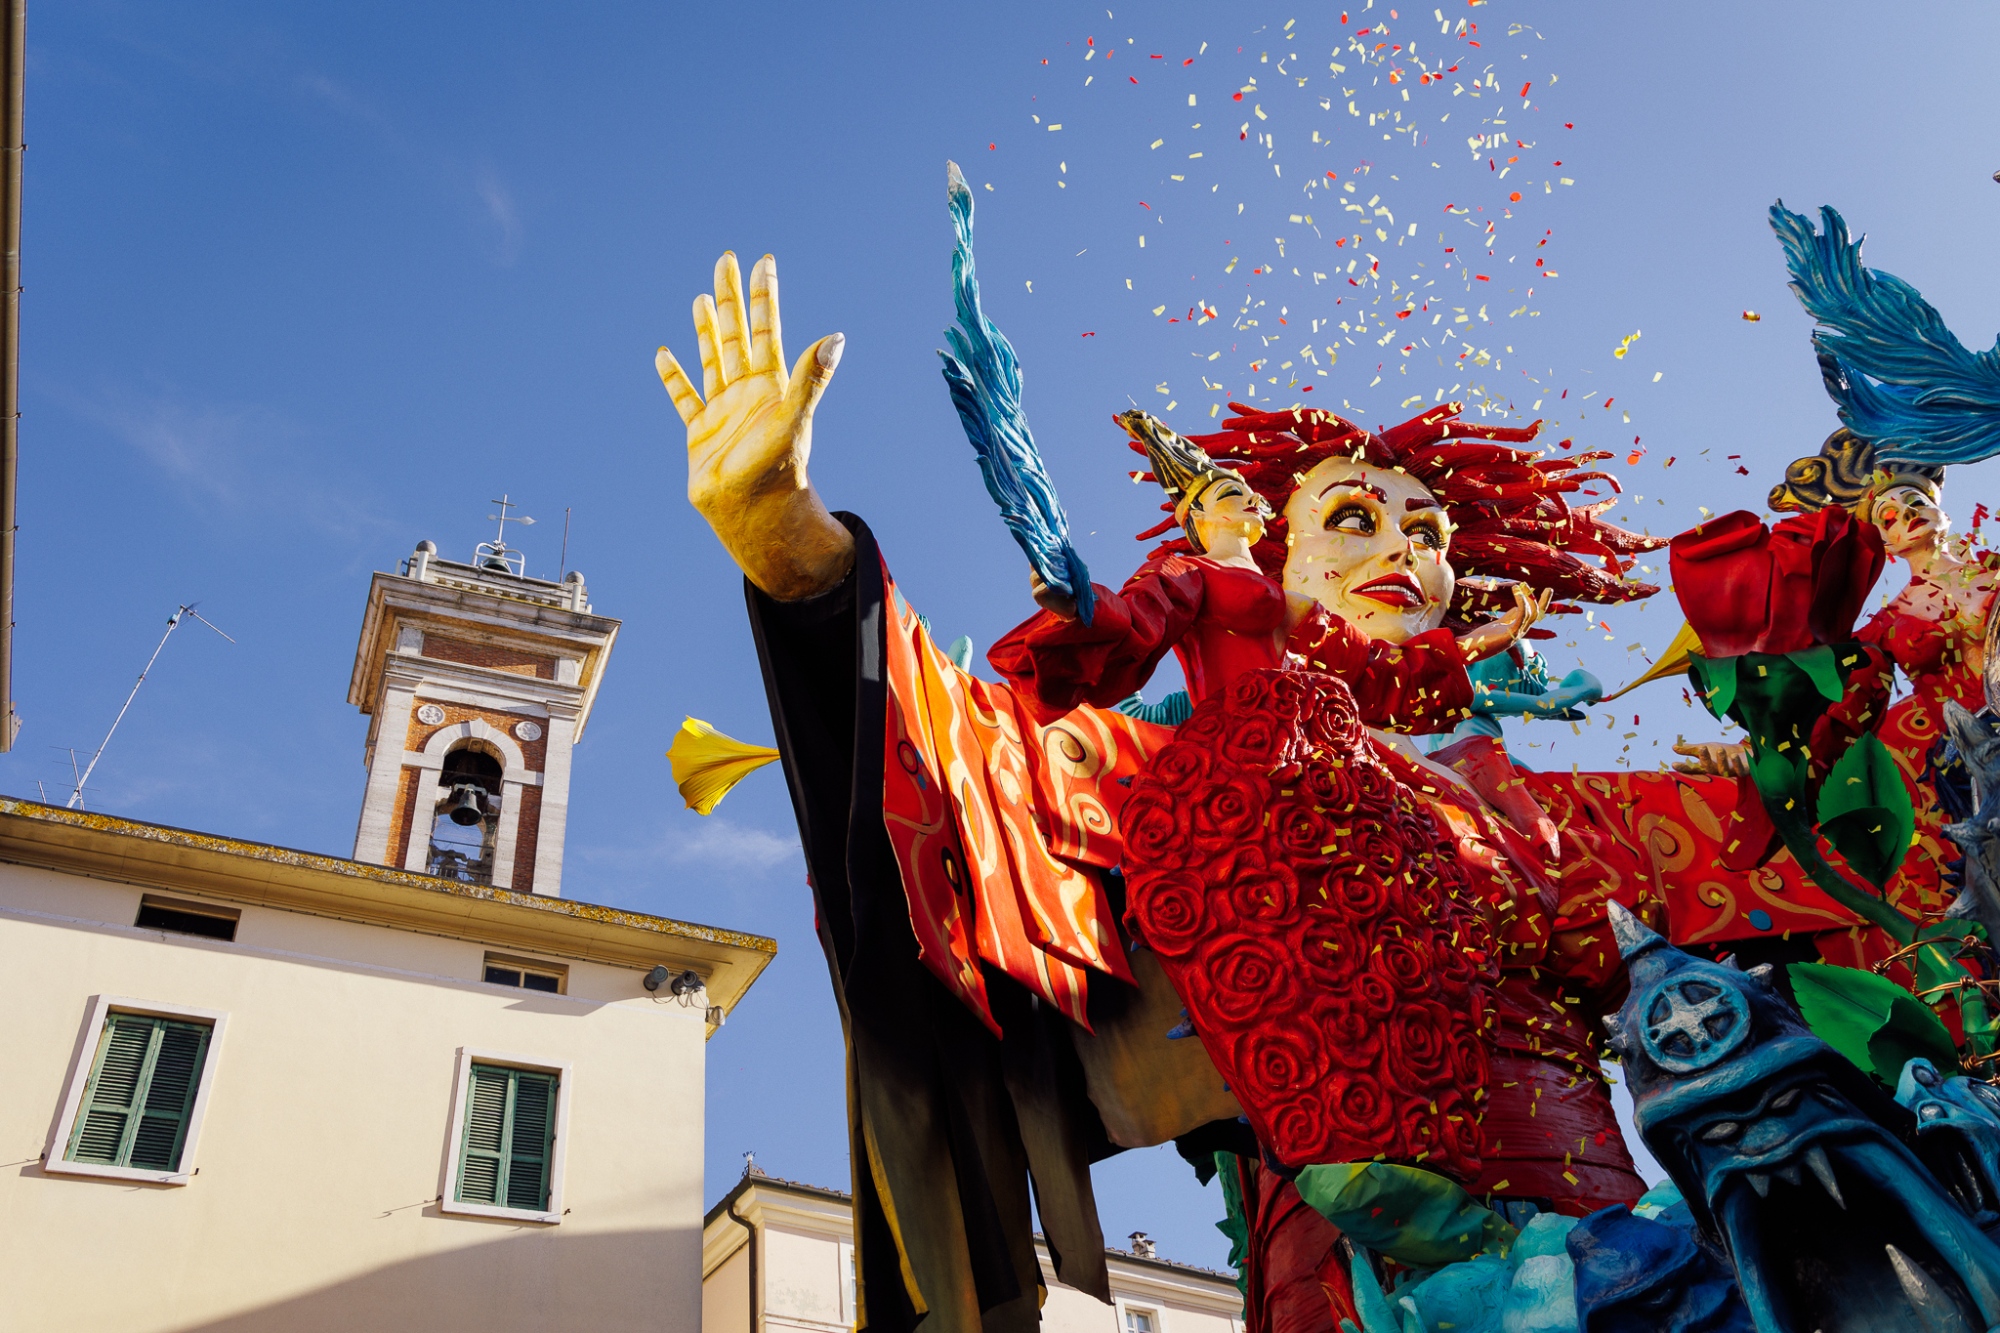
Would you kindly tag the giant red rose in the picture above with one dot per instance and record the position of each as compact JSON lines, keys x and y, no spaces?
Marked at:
{"x":1169,"y":912}
{"x":1746,"y":588}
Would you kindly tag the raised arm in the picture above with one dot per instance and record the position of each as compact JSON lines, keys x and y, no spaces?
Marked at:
{"x":750,"y":434}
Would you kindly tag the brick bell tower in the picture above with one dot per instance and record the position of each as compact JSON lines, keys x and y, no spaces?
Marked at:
{"x":477,"y":681}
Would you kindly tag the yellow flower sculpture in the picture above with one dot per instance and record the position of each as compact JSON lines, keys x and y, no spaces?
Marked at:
{"x":708,"y":764}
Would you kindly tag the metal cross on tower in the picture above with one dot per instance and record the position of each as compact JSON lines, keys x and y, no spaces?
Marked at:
{"x":496,"y":554}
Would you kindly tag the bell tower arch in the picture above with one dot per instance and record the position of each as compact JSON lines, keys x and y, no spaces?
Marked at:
{"x":477,"y":681}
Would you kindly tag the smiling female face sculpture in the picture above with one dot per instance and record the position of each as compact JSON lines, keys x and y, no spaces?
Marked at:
{"x":1371,"y":545}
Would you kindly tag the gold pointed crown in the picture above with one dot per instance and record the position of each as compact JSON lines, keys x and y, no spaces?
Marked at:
{"x":1180,"y":465}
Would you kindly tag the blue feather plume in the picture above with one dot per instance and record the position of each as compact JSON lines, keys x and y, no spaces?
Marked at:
{"x":985,"y":382}
{"x":1899,"y":377}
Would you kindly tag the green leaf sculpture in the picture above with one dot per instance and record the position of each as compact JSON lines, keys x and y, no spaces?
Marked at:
{"x":1871,"y":1020}
{"x":1416,"y":1217}
{"x":1865,"y":812}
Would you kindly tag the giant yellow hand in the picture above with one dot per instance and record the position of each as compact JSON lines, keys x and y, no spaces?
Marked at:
{"x":750,"y":434}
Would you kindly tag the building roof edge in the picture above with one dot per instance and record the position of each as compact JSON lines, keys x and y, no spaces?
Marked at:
{"x":160,"y":856}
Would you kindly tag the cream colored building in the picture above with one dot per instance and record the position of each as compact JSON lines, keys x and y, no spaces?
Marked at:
{"x":778,"y":1257}
{"x":257,"y":1090}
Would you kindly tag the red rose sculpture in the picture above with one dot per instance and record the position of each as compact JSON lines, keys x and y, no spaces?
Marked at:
{"x":1317,"y":924}
{"x":1749,"y":589}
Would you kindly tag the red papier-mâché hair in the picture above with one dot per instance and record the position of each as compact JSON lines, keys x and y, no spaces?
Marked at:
{"x":1507,"y":506}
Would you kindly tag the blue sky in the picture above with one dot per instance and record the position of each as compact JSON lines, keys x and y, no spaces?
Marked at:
{"x":306,"y":285}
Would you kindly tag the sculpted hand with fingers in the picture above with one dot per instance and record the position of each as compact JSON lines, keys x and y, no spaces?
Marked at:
{"x":750,"y":434}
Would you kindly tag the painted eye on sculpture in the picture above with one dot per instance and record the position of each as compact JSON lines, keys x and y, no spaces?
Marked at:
{"x":1425,"y":533}
{"x":1785,"y":1101}
{"x":1722,"y":1131}
{"x":1351,"y":518}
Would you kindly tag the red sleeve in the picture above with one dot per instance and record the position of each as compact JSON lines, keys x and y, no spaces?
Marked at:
{"x":1419,"y":686}
{"x":1878,"y":626}
{"x":1058,"y":664}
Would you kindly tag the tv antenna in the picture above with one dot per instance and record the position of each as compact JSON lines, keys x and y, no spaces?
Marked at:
{"x":173,"y":623}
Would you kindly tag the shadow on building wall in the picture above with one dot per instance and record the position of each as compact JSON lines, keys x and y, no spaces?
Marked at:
{"x":547,"y":1280}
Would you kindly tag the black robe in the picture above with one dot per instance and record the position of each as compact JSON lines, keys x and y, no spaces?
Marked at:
{"x":947,"y":1126}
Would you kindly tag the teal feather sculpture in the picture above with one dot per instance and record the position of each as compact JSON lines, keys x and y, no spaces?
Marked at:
{"x":985,"y":382}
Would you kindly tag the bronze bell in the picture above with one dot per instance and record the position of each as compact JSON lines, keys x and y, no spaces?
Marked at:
{"x":468,"y":805}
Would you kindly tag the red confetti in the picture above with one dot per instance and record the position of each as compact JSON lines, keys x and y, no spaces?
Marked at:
{"x":1238,"y":97}
{"x":1525,"y":87}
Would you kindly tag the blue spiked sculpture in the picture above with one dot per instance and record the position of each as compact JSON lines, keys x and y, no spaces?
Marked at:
{"x":1900,"y":378}
{"x":985,"y":381}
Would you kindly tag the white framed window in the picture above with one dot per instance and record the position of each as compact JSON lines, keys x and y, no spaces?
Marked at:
{"x":137,"y":1092}
{"x":848,"y":1282}
{"x":1141,"y":1320}
{"x":509,"y":1128}
{"x":525,"y":973}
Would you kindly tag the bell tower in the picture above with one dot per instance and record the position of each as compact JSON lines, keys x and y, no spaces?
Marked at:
{"x":477,"y":681}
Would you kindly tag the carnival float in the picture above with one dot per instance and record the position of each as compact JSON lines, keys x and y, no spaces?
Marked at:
{"x":1312,"y":923}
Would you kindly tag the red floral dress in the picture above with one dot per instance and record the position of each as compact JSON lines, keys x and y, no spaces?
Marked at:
{"x":1308,"y":908}
{"x":1939,"y":659}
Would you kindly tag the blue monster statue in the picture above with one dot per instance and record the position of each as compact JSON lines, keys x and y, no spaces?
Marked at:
{"x":1648,"y":1275}
{"x":1958,"y":1136}
{"x":1790,"y":1157}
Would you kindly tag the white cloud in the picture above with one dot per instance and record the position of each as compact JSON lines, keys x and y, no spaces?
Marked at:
{"x":499,"y":201}
{"x":719,"y":842}
{"x":203,"y":444}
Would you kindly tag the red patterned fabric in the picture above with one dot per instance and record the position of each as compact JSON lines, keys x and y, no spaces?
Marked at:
{"x":1313,"y":917}
{"x":992,"y":814}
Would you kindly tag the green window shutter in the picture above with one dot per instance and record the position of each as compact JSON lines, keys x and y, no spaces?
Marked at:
{"x":509,"y":1135}
{"x":177,"y":1061}
{"x":532,"y":1134}
{"x":141,"y":1091}
{"x":483,"y":1161}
